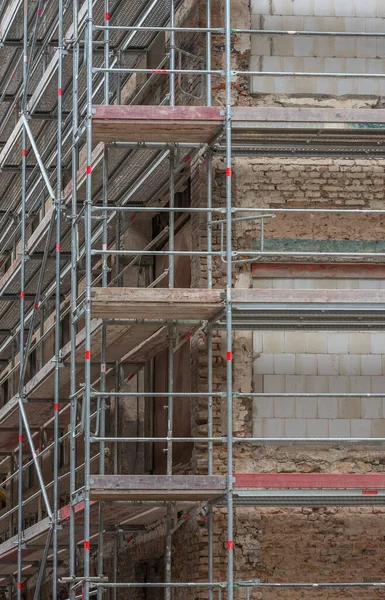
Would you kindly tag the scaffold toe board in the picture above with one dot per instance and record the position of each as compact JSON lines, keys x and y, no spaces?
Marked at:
{"x":309,"y":489}
{"x":156,"y":487}
{"x":306,"y":309}
{"x":284,"y":131}
{"x":366,"y":481}
{"x":269,"y":117}
{"x":156,"y":303}
{"x":197,"y":124}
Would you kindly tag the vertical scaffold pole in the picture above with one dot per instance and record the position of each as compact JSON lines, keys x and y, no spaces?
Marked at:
{"x":73,"y":401}
{"x":57,"y":304}
{"x":229,"y":346}
{"x":103,"y":367}
{"x":87,"y":357}
{"x":19,"y":582}
{"x":171,"y":284}
{"x":209,"y":165}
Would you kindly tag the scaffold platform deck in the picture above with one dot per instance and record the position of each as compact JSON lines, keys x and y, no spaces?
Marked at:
{"x":198,"y":124}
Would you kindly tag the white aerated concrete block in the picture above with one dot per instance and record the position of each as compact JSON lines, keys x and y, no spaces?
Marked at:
{"x":317,"y":428}
{"x":338,"y":343}
{"x":361,"y":428}
{"x":371,"y":364}
{"x":264,"y":364}
{"x":377,"y":342}
{"x":296,"y":428}
{"x":273,"y":428}
{"x":295,"y":342}
{"x":378,"y":428}
{"x":360,"y":343}
{"x":274,"y":383}
{"x":316,"y":343}
{"x":371,"y":408}
{"x":328,"y":408}
{"x":295,"y":384}
{"x":349,"y":408}
{"x":306,"y":408}
{"x":306,"y":364}
{"x":274,"y":342}
{"x":260,"y":7}
{"x":339,"y":428}
{"x":284,"y":408}
{"x":283,"y":7}
{"x":257,"y":427}
{"x":263,"y":407}
{"x":349,"y":364}
{"x":324,"y":8}
{"x":327,"y":364}
{"x":317,"y":384}
{"x":284,"y":364}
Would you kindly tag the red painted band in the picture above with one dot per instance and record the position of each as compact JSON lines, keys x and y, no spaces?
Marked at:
{"x":22,"y":294}
{"x":20,"y":438}
{"x":159,"y":70}
{"x":19,"y":585}
{"x":60,"y":92}
{"x":56,"y":407}
{"x":39,"y":12}
{"x":107,"y":16}
{"x":87,"y":545}
{"x":187,"y":159}
{"x":89,"y":169}
{"x":36,"y":305}
{"x":230,"y":545}
{"x":58,"y":247}
{"x":229,"y":356}
{"x":228,"y":172}
{"x":88,"y":354}
{"x":369,"y":493}
{"x":24,"y":152}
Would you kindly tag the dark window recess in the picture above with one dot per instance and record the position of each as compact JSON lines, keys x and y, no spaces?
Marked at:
{"x":157,"y":51}
{"x":65,"y":329}
{"x":5,"y":392}
{"x":32,"y":363}
{"x":181,"y":200}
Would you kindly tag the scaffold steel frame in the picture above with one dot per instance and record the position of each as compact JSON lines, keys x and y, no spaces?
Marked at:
{"x":66,"y":65}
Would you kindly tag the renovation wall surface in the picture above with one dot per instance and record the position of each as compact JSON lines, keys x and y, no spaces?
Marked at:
{"x":318,"y":54}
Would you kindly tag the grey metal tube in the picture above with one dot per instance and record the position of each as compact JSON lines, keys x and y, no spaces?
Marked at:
{"x":55,"y":523}
{"x":164,"y":71}
{"x":38,"y":158}
{"x":308,"y":74}
{"x":43,"y":563}
{"x":310,"y":33}
{"x":88,"y":267}
{"x":171,"y":283}
{"x":103,"y":367}
{"x":22,"y":308}
{"x":136,"y":28}
{"x":228,"y":307}
{"x":94,"y":439}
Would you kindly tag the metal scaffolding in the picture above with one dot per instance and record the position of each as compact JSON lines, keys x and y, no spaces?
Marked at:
{"x":93,"y":163}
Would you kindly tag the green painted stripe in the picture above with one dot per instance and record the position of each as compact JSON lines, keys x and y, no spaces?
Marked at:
{"x":309,"y":245}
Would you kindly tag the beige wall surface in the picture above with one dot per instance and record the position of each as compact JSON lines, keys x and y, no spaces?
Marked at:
{"x":318,"y":54}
